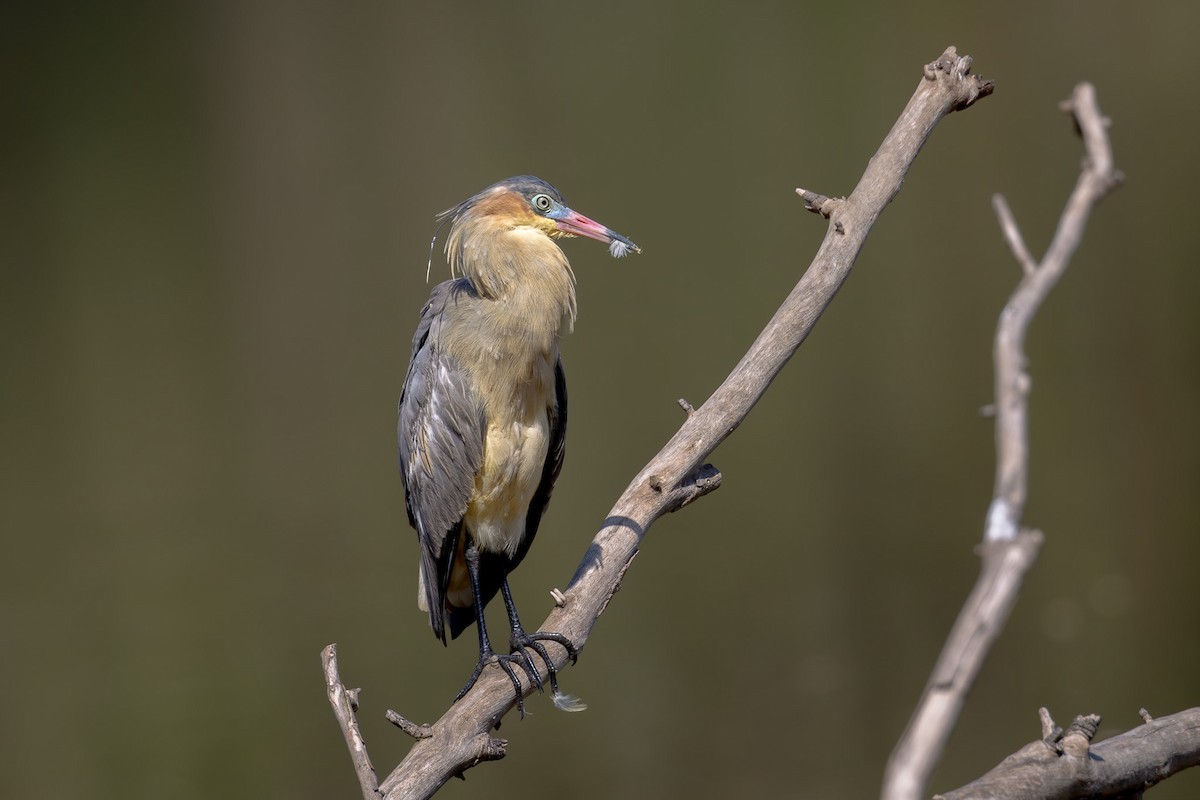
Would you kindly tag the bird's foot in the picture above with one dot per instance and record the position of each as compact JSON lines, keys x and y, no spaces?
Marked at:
{"x":505,"y":662}
{"x":521,"y":642}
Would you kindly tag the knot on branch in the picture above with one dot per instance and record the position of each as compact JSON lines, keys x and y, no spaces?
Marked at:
{"x":1076,"y":740}
{"x":820,"y":204}
{"x":490,"y":749}
{"x":952,"y":68}
{"x":704,"y":479}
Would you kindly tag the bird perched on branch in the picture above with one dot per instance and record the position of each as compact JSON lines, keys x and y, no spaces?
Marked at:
{"x":483,"y":412}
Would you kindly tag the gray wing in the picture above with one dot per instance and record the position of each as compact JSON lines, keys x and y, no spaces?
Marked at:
{"x":441,"y":430}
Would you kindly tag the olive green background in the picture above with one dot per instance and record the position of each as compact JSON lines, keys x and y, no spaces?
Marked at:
{"x":216,"y":219}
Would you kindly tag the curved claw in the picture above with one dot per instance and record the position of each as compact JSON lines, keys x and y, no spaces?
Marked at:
{"x":533,"y":641}
{"x":557,"y":638}
{"x":530,"y":669}
{"x":512,"y":676}
{"x":537,"y":647}
{"x":504,"y":662}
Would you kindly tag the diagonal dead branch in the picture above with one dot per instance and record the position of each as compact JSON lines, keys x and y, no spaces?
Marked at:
{"x":675,"y":476}
{"x":1008,"y":550}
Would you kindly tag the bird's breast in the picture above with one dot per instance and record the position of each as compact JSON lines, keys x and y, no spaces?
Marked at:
{"x":508,"y":345}
{"x":514,"y":454}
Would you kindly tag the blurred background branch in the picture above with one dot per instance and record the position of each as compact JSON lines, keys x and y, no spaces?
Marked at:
{"x":1008,"y":550}
{"x":1066,"y":766}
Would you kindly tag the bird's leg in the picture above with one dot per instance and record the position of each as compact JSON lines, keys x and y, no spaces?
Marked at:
{"x":520,"y":640}
{"x":486,"y":653}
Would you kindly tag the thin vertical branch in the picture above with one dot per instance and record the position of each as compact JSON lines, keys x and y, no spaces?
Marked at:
{"x":345,"y":703}
{"x":1008,"y":549}
{"x":1096,"y":179}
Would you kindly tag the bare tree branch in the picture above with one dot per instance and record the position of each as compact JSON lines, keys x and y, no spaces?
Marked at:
{"x":1008,"y":550}
{"x":345,"y":703}
{"x":1063,"y":766}
{"x":1096,"y":179}
{"x":677,"y":475}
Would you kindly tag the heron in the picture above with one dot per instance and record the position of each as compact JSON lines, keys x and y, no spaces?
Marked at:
{"x":483,"y":412}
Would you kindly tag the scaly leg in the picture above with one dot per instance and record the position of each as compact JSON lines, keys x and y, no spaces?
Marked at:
{"x":486,"y":653}
{"x":521,"y":640}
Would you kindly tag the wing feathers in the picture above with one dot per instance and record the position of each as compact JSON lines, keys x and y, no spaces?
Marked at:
{"x":441,"y":434}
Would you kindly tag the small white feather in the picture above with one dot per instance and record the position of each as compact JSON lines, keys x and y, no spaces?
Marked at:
{"x":566,"y":702}
{"x":618,"y":248}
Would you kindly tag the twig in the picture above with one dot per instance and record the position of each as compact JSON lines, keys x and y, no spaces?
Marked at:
{"x":1123,"y":766}
{"x":819,"y":203}
{"x":1008,"y":550}
{"x":677,"y":474}
{"x":1012,"y":235}
{"x":408,"y":726}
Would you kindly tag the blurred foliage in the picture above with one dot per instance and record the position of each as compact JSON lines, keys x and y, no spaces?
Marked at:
{"x":216,"y":221}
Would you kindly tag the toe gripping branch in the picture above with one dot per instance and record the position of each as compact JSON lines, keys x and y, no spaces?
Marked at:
{"x":520,"y":643}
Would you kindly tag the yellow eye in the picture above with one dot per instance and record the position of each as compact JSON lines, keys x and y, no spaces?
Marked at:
{"x":542,"y":202}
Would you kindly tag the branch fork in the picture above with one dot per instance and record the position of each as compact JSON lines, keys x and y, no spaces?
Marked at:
{"x":1009,"y":550}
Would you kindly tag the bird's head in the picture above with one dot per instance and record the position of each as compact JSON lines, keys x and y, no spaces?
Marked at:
{"x":528,"y":202}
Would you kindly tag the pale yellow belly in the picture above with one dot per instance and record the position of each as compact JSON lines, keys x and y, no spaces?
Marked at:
{"x":513,"y":458}
{"x":516,"y":386}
